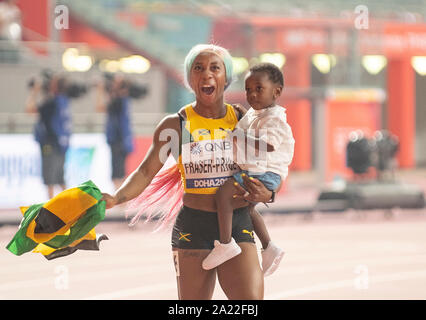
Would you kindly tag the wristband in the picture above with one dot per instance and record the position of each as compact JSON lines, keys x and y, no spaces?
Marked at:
{"x":272,"y":198}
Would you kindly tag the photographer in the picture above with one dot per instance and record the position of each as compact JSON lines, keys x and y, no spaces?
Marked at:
{"x":118,"y":127}
{"x":53,"y":128}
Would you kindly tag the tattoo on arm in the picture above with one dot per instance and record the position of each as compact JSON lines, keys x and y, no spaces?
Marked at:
{"x":121,"y":199}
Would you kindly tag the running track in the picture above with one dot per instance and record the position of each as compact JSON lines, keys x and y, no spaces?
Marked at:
{"x":332,"y":256}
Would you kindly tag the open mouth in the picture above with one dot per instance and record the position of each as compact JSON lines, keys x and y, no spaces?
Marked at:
{"x":207,"y":89}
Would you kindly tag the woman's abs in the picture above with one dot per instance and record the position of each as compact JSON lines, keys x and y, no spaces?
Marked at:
{"x":206,"y":202}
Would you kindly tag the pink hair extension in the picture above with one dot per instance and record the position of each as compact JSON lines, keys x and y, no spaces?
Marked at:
{"x":161,"y":199}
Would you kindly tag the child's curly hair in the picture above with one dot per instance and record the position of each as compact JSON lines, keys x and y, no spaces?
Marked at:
{"x":273,"y":72}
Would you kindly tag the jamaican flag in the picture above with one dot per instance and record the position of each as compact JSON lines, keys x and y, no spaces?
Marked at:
{"x":62,"y":225}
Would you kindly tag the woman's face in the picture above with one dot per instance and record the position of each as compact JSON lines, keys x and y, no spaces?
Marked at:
{"x":208,"y":77}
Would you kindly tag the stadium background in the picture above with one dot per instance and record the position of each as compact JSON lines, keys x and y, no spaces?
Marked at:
{"x":347,"y":66}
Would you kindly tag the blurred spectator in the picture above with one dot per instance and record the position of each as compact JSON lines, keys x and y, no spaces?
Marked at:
{"x":10,"y":31}
{"x":113,"y":98}
{"x":53,"y":129}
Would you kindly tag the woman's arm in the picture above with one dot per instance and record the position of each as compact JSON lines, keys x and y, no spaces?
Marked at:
{"x":154,"y":160}
{"x":100,"y":104}
{"x":31,"y":103}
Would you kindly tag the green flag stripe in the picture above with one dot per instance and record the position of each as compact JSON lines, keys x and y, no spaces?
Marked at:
{"x":90,"y":188}
{"x":20,"y":242}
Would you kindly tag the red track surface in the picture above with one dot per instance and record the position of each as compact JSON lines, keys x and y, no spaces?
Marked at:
{"x":333,"y":256}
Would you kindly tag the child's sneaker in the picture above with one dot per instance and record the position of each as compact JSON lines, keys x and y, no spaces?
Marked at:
{"x":221,"y":252}
{"x":271,"y":258}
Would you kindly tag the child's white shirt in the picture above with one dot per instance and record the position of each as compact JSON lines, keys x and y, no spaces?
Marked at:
{"x":269,"y":125}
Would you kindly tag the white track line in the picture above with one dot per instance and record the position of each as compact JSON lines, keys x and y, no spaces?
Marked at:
{"x":141,"y":270}
{"x":89,"y":275}
{"x":326,"y":286}
{"x":119,"y":294}
{"x":285,"y":270}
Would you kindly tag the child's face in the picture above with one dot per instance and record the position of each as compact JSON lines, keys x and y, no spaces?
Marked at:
{"x":260,"y":91}
{"x":208,"y":77}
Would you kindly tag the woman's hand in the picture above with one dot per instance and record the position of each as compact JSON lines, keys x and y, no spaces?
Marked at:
{"x":109,"y":200}
{"x":256,"y":191}
{"x":240,"y":108}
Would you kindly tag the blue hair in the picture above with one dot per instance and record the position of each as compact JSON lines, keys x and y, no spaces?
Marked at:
{"x":222,"y":53}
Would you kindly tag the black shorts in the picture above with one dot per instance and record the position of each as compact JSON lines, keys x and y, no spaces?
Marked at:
{"x":118,"y":161}
{"x":197,"y":229}
{"x":53,"y":162}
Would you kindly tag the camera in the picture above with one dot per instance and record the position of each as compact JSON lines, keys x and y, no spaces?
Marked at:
{"x":76,"y":90}
{"x":134,"y":90}
{"x":64,"y":86}
{"x":379,"y":151}
{"x":359,"y":151}
{"x":44,"y":79}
